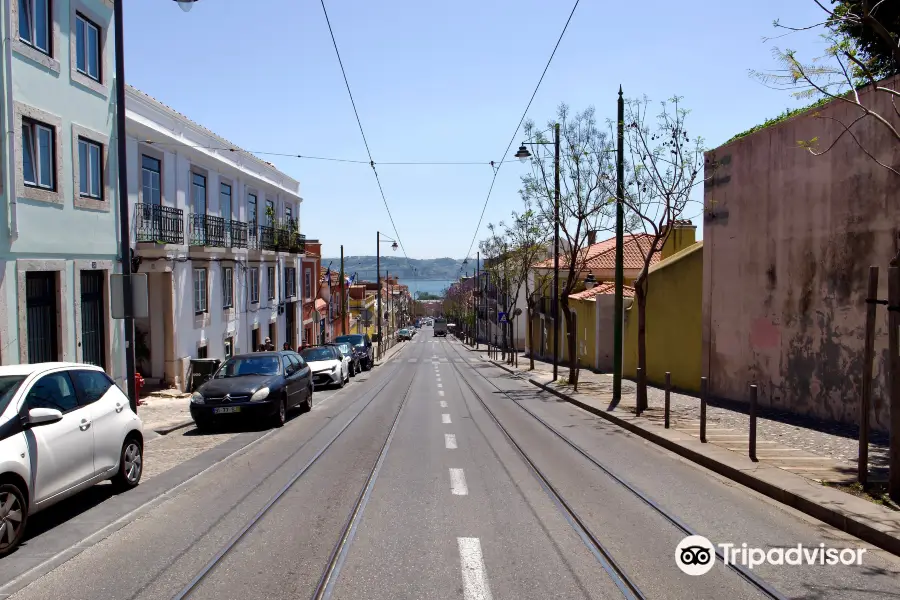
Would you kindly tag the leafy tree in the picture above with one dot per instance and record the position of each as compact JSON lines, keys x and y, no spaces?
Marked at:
{"x":877,"y":47}
{"x":664,"y":166}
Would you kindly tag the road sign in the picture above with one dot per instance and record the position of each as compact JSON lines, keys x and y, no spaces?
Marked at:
{"x":365,"y":314}
{"x":501,"y":317}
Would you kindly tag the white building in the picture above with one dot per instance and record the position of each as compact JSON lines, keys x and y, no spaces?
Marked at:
{"x":58,"y":238}
{"x":217,"y":231}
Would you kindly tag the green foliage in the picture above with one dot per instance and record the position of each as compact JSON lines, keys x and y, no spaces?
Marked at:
{"x":874,"y":51}
{"x":787,"y":114}
{"x":428,"y":296}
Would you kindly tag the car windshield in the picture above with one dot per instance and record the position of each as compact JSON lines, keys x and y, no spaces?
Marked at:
{"x":249,"y":365}
{"x":317,"y":354}
{"x":8,"y":386}
{"x":345,"y":347}
{"x":356,"y":340}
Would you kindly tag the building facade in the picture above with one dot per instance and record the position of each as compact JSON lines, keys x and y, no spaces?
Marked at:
{"x":217,"y":231}
{"x":58,"y":245}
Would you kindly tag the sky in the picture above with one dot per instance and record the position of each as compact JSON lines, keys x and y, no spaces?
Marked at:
{"x":443,"y":81}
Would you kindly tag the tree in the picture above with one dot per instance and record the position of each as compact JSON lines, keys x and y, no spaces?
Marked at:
{"x":852,"y":60}
{"x":496,"y":252}
{"x":664,"y":164}
{"x":586,"y":203}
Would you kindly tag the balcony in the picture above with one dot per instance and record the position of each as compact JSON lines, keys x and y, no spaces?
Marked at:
{"x":237,"y":234}
{"x":207,"y":230}
{"x":158,"y":224}
{"x":265,"y":239}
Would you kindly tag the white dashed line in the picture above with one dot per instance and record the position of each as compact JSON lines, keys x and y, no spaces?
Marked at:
{"x":440,"y":385}
{"x":440,"y":392}
{"x":443,"y":404}
{"x":475,"y":584}
{"x":458,"y":483}
{"x":450,"y":441}
{"x":445,"y":419}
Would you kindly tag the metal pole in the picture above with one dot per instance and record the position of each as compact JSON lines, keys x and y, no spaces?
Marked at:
{"x":124,"y":227}
{"x":344,"y":324}
{"x":556,"y":252}
{"x":894,"y":370}
{"x":619,"y":308}
{"x":862,"y":464}
{"x":703,"y":409}
{"x":477,"y":287}
{"x":753,"y":400}
{"x":668,"y":399}
{"x":378,"y":295}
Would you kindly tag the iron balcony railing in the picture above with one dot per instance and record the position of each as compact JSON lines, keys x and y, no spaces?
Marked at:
{"x":207,"y":230}
{"x":237,"y":234}
{"x":266,"y":238}
{"x":159,"y":224}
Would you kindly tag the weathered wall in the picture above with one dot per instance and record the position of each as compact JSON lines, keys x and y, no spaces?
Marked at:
{"x":674,"y":322}
{"x":789,"y":239}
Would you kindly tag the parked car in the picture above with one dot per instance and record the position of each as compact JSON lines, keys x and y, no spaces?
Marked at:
{"x":347,"y":350}
{"x":329,"y":366}
{"x":404,"y":334}
{"x":362,"y":347}
{"x":63,"y":428}
{"x":261,"y":384}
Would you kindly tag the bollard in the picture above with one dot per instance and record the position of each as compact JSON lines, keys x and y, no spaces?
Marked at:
{"x":753,"y":400}
{"x":703,"y":410}
{"x":637,"y":405}
{"x":668,"y":391}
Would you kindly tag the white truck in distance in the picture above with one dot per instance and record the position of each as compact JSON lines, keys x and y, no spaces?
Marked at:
{"x":440,"y":327}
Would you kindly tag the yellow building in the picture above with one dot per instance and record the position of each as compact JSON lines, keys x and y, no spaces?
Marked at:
{"x":674,"y":321}
{"x":362,"y":299}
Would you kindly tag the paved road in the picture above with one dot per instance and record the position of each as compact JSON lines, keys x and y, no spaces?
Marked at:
{"x":452,"y":509}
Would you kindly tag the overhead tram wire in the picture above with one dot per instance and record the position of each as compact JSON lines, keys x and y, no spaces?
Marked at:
{"x":363,"y":133}
{"x":516,"y":132}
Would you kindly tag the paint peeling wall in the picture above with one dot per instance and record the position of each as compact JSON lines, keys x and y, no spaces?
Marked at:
{"x":789,"y":238}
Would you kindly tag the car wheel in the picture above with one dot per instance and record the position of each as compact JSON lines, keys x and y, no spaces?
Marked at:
{"x":131,"y":464}
{"x":309,"y":399}
{"x":352,"y":370}
{"x":280,"y":417}
{"x":13,"y":515}
{"x":342,"y":382}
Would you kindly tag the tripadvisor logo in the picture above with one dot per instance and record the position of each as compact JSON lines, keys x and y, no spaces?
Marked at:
{"x":696,"y":555}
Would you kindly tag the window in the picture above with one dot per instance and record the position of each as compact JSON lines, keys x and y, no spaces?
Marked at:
{"x":53,"y":391}
{"x":251,"y":210}
{"x":288,"y":213}
{"x":198,"y":193}
{"x":270,"y":213}
{"x":91,"y":384}
{"x":90,"y":165}
{"x":225,"y":201}
{"x":151,"y":180}
{"x":271,"y":283}
{"x":38,"y":157}
{"x":200,"y":305}
{"x":227,"y":287}
{"x":254,"y":285}
{"x":290,"y":283}
{"x":87,"y":47}
{"x":307,"y":284}
{"x":34,"y":24}
{"x":286,"y":363}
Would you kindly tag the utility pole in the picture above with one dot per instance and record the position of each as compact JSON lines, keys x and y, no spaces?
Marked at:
{"x":344,"y":324}
{"x":477,"y":287}
{"x":378,"y":296}
{"x":620,"y":258}
{"x":556,"y":252}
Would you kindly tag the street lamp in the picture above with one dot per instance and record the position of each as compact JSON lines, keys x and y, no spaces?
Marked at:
{"x":523,"y":155}
{"x":379,"y":236}
{"x":589,"y":281}
{"x":186,"y":5}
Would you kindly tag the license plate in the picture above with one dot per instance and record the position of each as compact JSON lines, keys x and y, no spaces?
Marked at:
{"x":226,"y":409}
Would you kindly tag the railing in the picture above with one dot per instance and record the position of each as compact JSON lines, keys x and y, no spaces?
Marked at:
{"x":207,"y":230}
{"x":266,"y":238}
{"x":237,"y":234}
{"x":282,"y":240}
{"x":160,"y":224}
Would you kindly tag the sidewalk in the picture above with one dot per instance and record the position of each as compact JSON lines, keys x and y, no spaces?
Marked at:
{"x":795,"y":463}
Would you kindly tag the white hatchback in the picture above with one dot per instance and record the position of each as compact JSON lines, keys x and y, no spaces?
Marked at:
{"x":63,"y":428}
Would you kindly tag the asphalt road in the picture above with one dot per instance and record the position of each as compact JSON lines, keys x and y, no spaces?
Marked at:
{"x":402,"y":485}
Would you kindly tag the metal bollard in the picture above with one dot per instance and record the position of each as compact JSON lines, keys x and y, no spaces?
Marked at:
{"x":703,"y":410}
{"x":639,"y":376}
{"x":753,"y":401}
{"x":668,"y":391}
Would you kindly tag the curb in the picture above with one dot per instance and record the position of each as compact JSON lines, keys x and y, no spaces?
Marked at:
{"x":171,"y":428}
{"x":835,"y":518}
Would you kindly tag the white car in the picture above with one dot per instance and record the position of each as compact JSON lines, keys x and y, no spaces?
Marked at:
{"x":63,"y":428}
{"x":329,"y":366}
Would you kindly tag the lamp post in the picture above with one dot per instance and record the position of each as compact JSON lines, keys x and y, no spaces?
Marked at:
{"x":589,"y":281}
{"x":523,"y":154}
{"x":378,"y":238}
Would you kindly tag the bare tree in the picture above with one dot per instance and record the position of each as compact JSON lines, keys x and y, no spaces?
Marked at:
{"x":842,"y":72}
{"x":586,"y":203}
{"x":664,"y":165}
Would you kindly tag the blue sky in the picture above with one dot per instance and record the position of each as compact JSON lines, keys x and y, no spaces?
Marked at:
{"x":442,"y":81}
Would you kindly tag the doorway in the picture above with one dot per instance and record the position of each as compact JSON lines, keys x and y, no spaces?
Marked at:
{"x":41,"y":318}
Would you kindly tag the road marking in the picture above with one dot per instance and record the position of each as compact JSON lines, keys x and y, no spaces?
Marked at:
{"x":443,"y":404}
{"x":475,"y":584}
{"x":445,"y":419}
{"x":458,"y":483}
{"x":450,"y":441}
{"x":412,"y":360}
{"x":438,"y":379}
{"x":440,"y":392}
{"x":440,"y":385}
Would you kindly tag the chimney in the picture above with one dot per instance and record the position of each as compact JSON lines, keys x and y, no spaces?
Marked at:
{"x":592,"y":237}
{"x":683,"y":235}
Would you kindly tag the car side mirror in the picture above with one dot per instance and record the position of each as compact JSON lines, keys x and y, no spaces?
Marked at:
{"x":43,"y":416}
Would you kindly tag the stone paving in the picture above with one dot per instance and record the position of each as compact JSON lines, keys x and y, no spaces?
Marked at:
{"x":815,"y":449}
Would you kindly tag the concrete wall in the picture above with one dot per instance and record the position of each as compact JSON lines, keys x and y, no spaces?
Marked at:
{"x":674,"y":322}
{"x":789,"y":239}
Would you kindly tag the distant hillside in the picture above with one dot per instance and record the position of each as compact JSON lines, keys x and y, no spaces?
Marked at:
{"x":434,"y":268}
